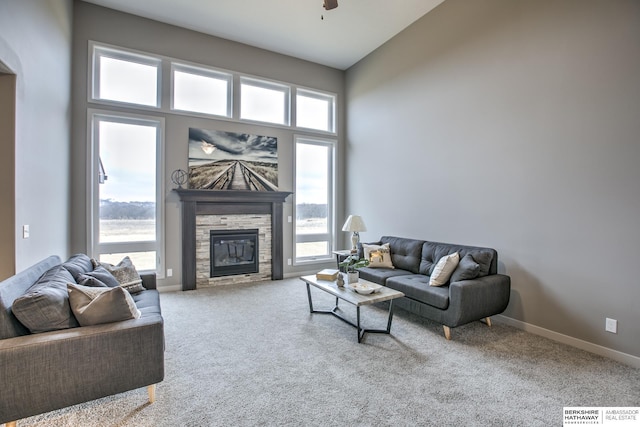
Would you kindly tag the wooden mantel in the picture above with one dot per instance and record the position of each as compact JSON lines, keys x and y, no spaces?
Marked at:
{"x":221,"y":202}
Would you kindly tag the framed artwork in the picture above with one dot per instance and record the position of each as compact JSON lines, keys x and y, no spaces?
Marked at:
{"x":221,"y":160}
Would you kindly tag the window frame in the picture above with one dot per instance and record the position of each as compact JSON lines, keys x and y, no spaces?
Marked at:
{"x":203,"y":72}
{"x":95,"y":248}
{"x":330,"y":235}
{"x":323,"y":96}
{"x":269,"y":85}
{"x":97,"y":51}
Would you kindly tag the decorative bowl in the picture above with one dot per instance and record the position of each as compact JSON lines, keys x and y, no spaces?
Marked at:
{"x":362,"y":288}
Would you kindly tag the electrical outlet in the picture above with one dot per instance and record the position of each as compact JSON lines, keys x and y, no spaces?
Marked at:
{"x":288,"y":261}
{"x":611,"y":325}
{"x":25,"y":232}
{"x":169,"y":272}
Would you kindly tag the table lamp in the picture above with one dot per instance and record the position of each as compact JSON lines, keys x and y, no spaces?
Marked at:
{"x":355,"y":224}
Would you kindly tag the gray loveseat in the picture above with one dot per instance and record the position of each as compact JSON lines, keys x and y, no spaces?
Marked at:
{"x":457,"y":302}
{"x":41,"y":372}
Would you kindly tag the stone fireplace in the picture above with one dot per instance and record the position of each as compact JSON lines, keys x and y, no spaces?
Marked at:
{"x":207,"y":212}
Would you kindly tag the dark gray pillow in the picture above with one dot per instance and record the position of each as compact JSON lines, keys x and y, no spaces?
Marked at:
{"x":94,"y":306}
{"x":45,"y":305}
{"x":467,"y":269}
{"x":98,"y":278}
{"x":483,"y":258}
{"x":78,"y":264}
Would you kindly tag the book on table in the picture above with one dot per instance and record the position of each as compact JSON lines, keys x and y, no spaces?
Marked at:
{"x":327,"y":274}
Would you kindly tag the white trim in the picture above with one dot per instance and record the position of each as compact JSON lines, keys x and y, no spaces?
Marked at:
{"x":202,"y":72}
{"x":92,"y":200}
{"x":321,"y":96}
{"x":616,"y":355}
{"x":165,"y":101}
{"x":97,"y":51}
{"x":284,"y":89}
{"x":331,"y":205}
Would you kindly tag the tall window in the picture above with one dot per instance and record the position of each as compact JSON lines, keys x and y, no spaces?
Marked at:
{"x":314,"y":195}
{"x":126,"y":201}
{"x":201,"y":91}
{"x":125,"y":77}
{"x":315,"y":110}
{"x":264,"y":101}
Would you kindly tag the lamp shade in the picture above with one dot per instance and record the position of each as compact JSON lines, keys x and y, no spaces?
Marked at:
{"x":354,"y":223}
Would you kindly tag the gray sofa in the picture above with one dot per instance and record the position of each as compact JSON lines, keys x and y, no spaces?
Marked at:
{"x":45,"y":371}
{"x":452,"y":305}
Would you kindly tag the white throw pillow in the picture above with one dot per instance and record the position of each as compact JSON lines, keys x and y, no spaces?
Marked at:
{"x":444,"y":269}
{"x":379,"y":256}
{"x":94,"y":306}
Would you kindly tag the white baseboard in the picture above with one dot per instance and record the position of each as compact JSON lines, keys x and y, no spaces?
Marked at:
{"x":616,"y":355}
{"x":170,"y":288}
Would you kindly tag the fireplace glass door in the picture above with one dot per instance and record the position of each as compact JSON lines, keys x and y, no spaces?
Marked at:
{"x":234,"y":252}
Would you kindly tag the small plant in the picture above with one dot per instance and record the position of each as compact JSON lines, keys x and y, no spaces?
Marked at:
{"x":352,"y":263}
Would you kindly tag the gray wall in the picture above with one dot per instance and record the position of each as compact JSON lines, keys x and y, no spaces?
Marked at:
{"x":515,"y":125}
{"x":35,"y":45}
{"x":108,"y":26}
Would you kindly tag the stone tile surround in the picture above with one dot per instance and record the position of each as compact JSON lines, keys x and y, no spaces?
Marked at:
{"x":205,"y":223}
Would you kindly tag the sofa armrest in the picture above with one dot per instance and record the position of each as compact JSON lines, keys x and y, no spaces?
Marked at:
{"x":476,"y":299}
{"x":149,"y":280}
{"x":52,"y":370}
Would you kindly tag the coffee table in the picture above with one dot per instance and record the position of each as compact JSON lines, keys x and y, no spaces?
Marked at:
{"x":353,"y":298}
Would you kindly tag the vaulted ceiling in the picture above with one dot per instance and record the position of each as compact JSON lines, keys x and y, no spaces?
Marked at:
{"x":301,"y":28}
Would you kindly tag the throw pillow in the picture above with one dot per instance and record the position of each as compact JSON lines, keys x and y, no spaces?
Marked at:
{"x":78,"y":264}
{"x":379,"y":256}
{"x":45,"y":305}
{"x":94,"y":306}
{"x":98,"y":278}
{"x":467,"y":269}
{"x":125,"y":273}
{"x":483,"y":258}
{"x":443,"y":270}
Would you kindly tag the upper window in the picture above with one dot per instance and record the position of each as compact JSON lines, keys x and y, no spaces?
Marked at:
{"x":125,"y":77}
{"x":315,"y":110}
{"x":200,"y":90}
{"x":264,"y":101}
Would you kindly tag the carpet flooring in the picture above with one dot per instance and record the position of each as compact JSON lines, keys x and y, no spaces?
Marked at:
{"x":253,"y":355}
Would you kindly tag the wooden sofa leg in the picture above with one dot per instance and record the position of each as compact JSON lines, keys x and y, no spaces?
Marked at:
{"x":151,"y":390}
{"x":487,"y":320}
{"x":447,"y":332}
{"x":11,"y":424}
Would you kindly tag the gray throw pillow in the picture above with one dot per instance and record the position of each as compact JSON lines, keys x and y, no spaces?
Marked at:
{"x":467,"y":269}
{"x":483,"y":258}
{"x":98,"y":278}
{"x":78,"y":264}
{"x":125,"y":273}
{"x":45,"y":305}
{"x":94,"y":306}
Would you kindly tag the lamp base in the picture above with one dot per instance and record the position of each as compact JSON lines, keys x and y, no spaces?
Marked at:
{"x":355,"y":239}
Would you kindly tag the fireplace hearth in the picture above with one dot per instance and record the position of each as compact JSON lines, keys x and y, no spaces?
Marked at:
{"x":234,"y":252}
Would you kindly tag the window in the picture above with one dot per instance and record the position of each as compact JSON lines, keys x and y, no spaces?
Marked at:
{"x":126,"y":190}
{"x":314,"y":194}
{"x":125,"y":77}
{"x":201,"y":91}
{"x":315,"y":110}
{"x":264,"y":101}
